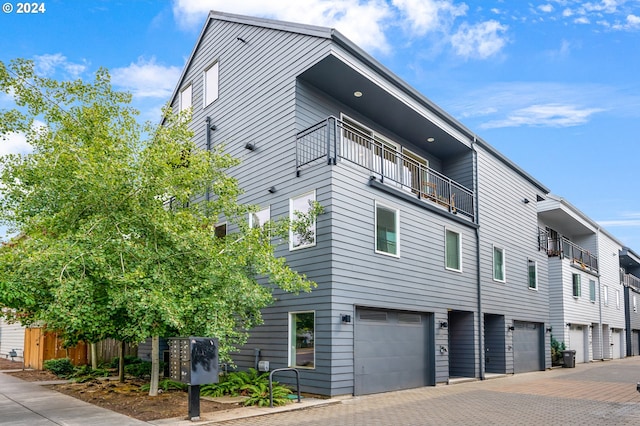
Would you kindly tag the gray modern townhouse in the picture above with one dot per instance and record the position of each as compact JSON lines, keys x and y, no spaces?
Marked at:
{"x":630,"y":278}
{"x":427,"y":255}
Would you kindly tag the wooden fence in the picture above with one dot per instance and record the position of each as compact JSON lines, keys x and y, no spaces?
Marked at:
{"x":41,"y":345}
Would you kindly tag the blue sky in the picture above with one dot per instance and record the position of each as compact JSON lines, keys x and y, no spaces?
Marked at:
{"x":553,"y":85}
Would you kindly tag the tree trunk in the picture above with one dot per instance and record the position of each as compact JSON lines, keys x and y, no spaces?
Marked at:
{"x":94,"y":356}
{"x":155,"y":365}
{"x":121,"y":363}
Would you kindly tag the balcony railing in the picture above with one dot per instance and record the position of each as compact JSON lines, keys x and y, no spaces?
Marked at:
{"x":333,"y":140}
{"x":559,"y":246}
{"x":630,"y":280}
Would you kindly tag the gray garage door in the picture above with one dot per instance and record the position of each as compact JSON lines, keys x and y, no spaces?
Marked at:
{"x":390,"y":351}
{"x":527,"y":347}
{"x":635,"y":345}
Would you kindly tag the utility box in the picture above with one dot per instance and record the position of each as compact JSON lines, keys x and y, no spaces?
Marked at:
{"x":193,"y":360}
{"x":569,"y":358}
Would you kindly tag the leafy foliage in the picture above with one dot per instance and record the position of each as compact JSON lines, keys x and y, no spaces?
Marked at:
{"x":110,"y":241}
{"x":85,"y":373}
{"x":556,"y":351}
{"x":61,"y":367}
{"x":250,"y":383}
{"x":166,"y":385}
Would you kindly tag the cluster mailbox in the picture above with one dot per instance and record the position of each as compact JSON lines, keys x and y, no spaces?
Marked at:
{"x":193,"y":360}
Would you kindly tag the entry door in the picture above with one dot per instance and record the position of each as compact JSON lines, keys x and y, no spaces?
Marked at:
{"x":576,"y":342}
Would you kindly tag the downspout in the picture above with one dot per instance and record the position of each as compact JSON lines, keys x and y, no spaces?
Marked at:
{"x":600,"y":299}
{"x":479,"y":286}
{"x":208,"y":133}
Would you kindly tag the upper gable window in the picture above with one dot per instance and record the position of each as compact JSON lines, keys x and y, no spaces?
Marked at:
{"x":186,"y":97}
{"x":211,"y":84}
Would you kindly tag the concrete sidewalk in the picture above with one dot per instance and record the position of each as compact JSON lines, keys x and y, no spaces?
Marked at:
{"x":30,"y":404}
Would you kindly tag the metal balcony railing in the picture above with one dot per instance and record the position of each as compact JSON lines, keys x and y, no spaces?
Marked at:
{"x":559,"y":246}
{"x":630,"y":280}
{"x":333,"y":140}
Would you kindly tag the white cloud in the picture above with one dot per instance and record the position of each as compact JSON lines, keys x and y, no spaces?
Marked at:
{"x":547,"y":8}
{"x":147,"y":79}
{"x":582,"y":20}
{"x":545,"y":115}
{"x":632,"y":22}
{"x":15,"y":143}
{"x":362,"y":22}
{"x":481,"y":41}
{"x":429,"y":15}
{"x":48,"y":64}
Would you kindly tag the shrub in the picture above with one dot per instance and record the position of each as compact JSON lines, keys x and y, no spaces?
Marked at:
{"x":249,"y":383}
{"x":166,"y":385}
{"x":259,"y":394}
{"x":556,"y":351}
{"x":61,"y":367}
{"x":139,"y":369}
{"x":128,"y":359}
{"x":85,"y":373}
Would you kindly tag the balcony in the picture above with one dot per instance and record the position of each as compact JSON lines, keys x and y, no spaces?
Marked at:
{"x":558,"y":246}
{"x":333,"y":141}
{"x":629,"y":280}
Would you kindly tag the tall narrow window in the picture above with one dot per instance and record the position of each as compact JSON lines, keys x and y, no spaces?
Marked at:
{"x":635,"y":304}
{"x":605,"y":295}
{"x":302,"y":345}
{"x":592,"y":291}
{"x":211,"y":84}
{"x":617,"y":299}
{"x":533,"y":274}
{"x":259,"y":218}
{"x":577,"y":290}
{"x":498,"y":264}
{"x":453,"y":249}
{"x":387,"y":232}
{"x":185,"y":98}
{"x":307,"y":237}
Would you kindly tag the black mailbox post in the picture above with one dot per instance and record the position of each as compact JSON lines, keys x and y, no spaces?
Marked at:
{"x":194,"y":361}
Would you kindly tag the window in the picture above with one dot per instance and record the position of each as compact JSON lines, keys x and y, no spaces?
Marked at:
{"x":617,"y":299}
{"x":605,"y":295}
{"x":304,"y":238}
{"x":592,"y":291}
{"x":533,"y":274}
{"x":302,"y":352}
{"x":185,"y":98}
{"x":259,"y":218}
{"x":211,"y":84}
{"x":576,"y":285}
{"x":498,"y":264}
{"x":635,"y":304}
{"x":453,"y":246}
{"x":387,"y":232}
{"x":220,"y":230}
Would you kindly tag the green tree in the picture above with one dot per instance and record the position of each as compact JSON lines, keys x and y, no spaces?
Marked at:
{"x":111,"y":242}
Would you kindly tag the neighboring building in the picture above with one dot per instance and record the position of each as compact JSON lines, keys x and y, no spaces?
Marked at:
{"x":630,"y":278}
{"x":584,"y":281}
{"x":426,"y":257}
{"x":11,"y":339}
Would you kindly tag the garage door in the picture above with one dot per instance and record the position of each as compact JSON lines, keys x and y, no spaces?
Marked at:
{"x":576,"y":342}
{"x":390,"y":351}
{"x":527,"y":347}
{"x":635,"y":345}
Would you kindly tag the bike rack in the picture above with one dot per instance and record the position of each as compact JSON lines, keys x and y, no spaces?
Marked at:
{"x":271,"y":383}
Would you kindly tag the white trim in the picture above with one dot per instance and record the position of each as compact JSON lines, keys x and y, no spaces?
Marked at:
{"x":375,"y":228}
{"x":266,"y":209}
{"x":182,"y":107}
{"x":205,"y":86}
{"x":493,"y":263}
{"x":535,"y":266}
{"x":291,"y":217}
{"x":459,"y":249}
{"x":291,"y":362}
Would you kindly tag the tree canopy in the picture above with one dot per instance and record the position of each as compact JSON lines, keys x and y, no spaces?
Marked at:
{"x":110,"y":241}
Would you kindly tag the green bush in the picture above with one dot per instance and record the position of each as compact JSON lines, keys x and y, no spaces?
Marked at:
{"x":556,"y":351}
{"x":85,"y":373}
{"x":139,"y":369}
{"x":249,"y":383}
{"x":61,"y":367}
{"x":166,"y":385}
{"x":128,"y":359}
